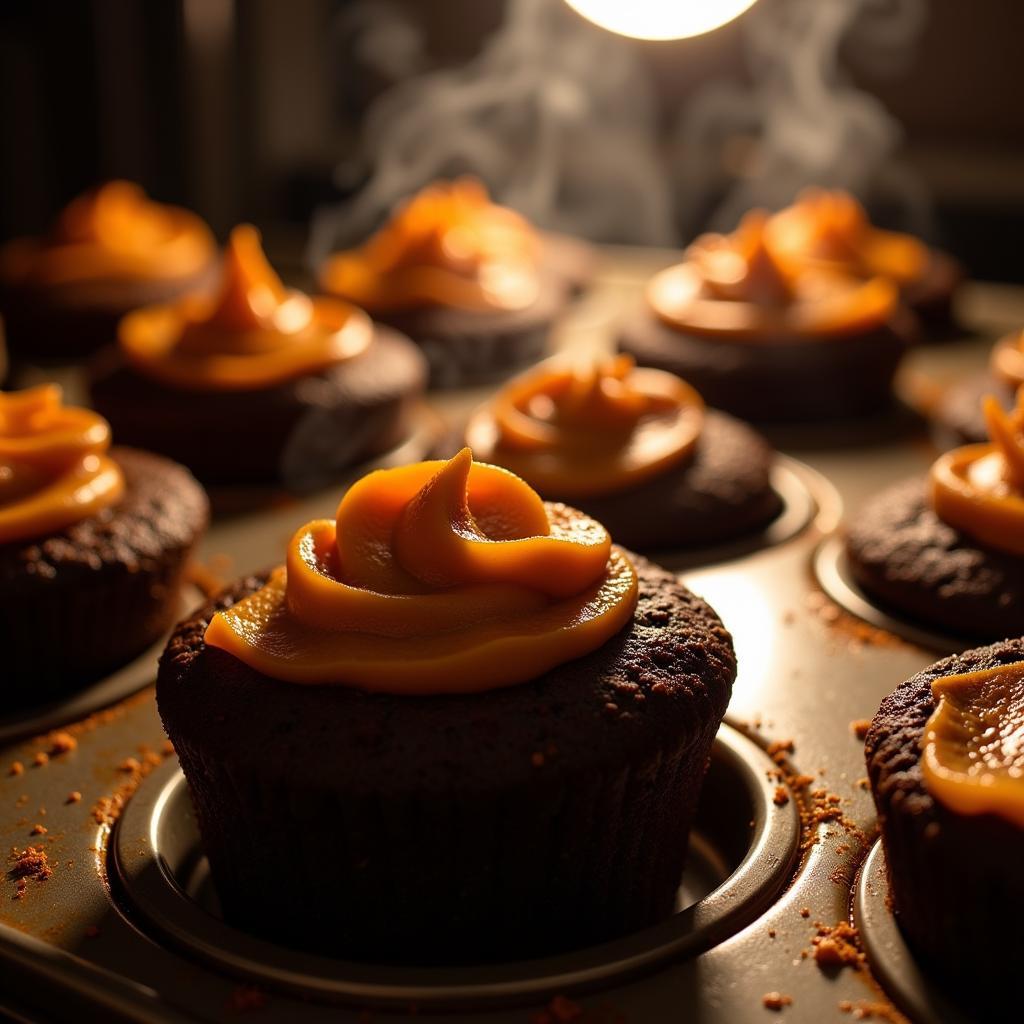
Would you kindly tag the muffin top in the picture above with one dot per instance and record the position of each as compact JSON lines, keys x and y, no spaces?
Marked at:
{"x":254,"y":334}
{"x":447,"y":246}
{"x":438,"y":577}
{"x":580,"y":431}
{"x":831,"y":229}
{"x":741,"y":287}
{"x":113,"y":233}
{"x":55,"y":469}
{"x":979,"y":488}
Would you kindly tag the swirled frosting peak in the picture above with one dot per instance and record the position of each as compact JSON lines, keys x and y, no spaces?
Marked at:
{"x":54,"y":466}
{"x":254,"y":334}
{"x":582,"y":431}
{"x":979,"y":488}
{"x":448,"y":245}
{"x":113,"y":233}
{"x":438,"y":577}
{"x":742,"y":287}
{"x":972,"y":757}
{"x":831,"y":228}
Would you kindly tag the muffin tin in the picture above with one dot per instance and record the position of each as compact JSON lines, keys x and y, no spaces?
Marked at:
{"x":126,"y":927}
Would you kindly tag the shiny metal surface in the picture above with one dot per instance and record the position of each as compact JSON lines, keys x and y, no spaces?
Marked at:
{"x":808,"y":671}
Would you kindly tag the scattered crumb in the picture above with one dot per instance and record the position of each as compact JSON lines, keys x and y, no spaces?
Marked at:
{"x":805,"y":912}
{"x":771,"y":933}
{"x":837,"y":946}
{"x":73,"y":797}
{"x":39,"y":830}
{"x":863,"y":784}
{"x":167,"y":748}
{"x":778,"y":749}
{"x":41,"y":758}
{"x":108,"y":808}
{"x":776,"y":1001}
{"x":30,"y":863}
{"x":61,"y":743}
{"x":781,"y":797}
{"x":17,"y":768}
{"x":860,"y":727}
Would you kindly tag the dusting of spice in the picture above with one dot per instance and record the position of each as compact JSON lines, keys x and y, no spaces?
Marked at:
{"x":30,"y":863}
{"x":108,"y":808}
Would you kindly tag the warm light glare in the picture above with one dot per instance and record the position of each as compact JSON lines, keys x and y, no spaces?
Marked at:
{"x":660,"y":19}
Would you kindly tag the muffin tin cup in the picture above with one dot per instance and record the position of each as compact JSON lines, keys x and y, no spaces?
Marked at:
{"x":832,"y":570}
{"x":739,"y":861}
{"x":807,"y":499}
{"x":893,"y":962}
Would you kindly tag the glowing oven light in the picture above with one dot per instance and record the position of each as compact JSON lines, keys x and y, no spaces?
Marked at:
{"x":660,"y":19}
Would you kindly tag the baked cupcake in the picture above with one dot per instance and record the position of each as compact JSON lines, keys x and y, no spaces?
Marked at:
{"x":959,"y":413}
{"x":767,"y":339}
{"x":93,"y":546}
{"x":634,"y":449}
{"x":110,"y":251}
{"x":946,"y":766}
{"x":831,"y":229}
{"x":471,"y":282}
{"x":479,"y":733}
{"x":948,"y":549}
{"x":259,"y":384}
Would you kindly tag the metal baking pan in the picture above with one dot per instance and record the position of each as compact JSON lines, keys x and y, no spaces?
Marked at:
{"x":126,"y":926}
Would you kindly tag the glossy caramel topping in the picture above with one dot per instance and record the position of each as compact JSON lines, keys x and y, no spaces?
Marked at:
{"x":831,"y":228}
{"x":112,"y":233}
{"x":438,"y":577}
{"x":54,"y":467}
{"x":585,"y":431}
{"x":739,"y":287}
{"x":972,"y":755}
{"x":979,"y":488}
{"x":1007,"y":359}
{"x":448,"y":246}
{"x":255,"y":334}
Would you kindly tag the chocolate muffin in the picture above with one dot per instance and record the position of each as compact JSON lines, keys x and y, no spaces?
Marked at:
{"x":110,"y":251}
{"x":242,"y":393}
{"x":455,"y":821}
{"x":909,"y":559}
{"x":948,"y":549}
{"x":768,"y":340}
{"x":634,"y":449}
{"x":830,"y":228}
{"x":955,"y":878}
{"x":87,"y":580}
{"x":472,"y":283}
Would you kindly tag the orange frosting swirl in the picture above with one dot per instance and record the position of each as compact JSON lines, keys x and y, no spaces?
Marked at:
{"x":255,"y":334}
{"x":438,"y":577}
{"x":738,"y":287}
{"x":830,"y":228}
{"x":112,"y":233}
{"x":448,"y":245}
{"x":972,"y":757}
{"x":979,"y":488}
{"x":583,"y":432}
{"x":1007,"y":359}
{"x":54,"y":466}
